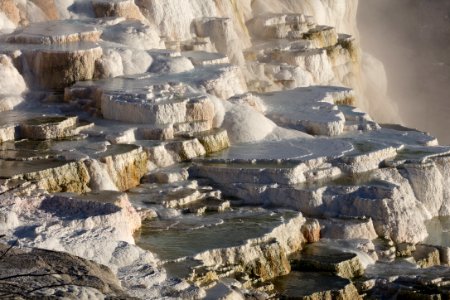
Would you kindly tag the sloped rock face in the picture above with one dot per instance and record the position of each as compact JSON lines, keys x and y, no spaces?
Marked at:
{"x":57,"y":53}
{"x":53,"y":176}
{"x":121,"y":8}
{"x":214,"y":141}
{"x":12,"y":85}
{"x":49,"y":8}
{"x":11,"y":11}
{"x":12,"y":81}
{"x":7,"y":133}
{"x":58,"y":69}
{"x":56,"y":275}
{"x":126,"y":168}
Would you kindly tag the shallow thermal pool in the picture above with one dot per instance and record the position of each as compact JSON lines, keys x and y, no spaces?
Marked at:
{"x":186,"y":236}
{"x":438,"y":231}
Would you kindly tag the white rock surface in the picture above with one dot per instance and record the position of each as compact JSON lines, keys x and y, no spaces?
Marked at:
{"x":55,"y":32}
{"x":100,"y":179}
{"x":11,"y":81}
{"x":245,"y":125}
{"x":310,"y":109}
{"x":46,"y":226}
{"x":133,"y":34}
{"x":8,"y":102}
{"x":6,"y":25}
{"x":7,"y":133}
{"x":339,"y":14}
{"x":174,"y":81}
{"x":109,"y":65}
{"x":135,"y":61}
{"x":165,"y":65}
{"x":348,"y":229}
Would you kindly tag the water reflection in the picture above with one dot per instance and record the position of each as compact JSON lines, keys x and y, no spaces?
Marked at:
{"x":439,"y":231}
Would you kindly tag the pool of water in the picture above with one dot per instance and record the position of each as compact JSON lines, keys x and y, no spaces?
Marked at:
{"x":10,"y":169}
{"x":302,"y":284}
{"x":438,"y":231}
{"x":187,"y":236}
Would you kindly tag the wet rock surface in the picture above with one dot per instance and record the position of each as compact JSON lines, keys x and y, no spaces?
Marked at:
{"x":196,"y":149}
{"x":299,"y":285}
{"x":319,"y":258}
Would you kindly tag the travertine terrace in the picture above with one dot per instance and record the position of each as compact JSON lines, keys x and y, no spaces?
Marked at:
{"x":190,"y":149}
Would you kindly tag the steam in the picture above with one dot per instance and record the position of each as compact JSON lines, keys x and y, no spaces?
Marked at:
{"x":412,"y":39}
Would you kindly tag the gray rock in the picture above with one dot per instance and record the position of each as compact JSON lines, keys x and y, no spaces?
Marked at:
{"x":36,"y":273}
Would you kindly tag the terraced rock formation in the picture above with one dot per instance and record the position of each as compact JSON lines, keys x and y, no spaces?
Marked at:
{"x":209,"y":149}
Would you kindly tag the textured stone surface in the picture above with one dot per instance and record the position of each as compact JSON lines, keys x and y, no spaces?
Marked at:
{"x":39,"y":273}
{"x":426,"y":256}
{"x":7,"y":133}
{"x":55,"y":32}
{"x":126,"y":165}
{"x":48,"y":128}
{"x":117,"y":8}
{"x":11,"y":11}
{"x":214,"y":141}
{"x":52,"y":176}
{"x":58,"y":69}
{"x":311,"y":231}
